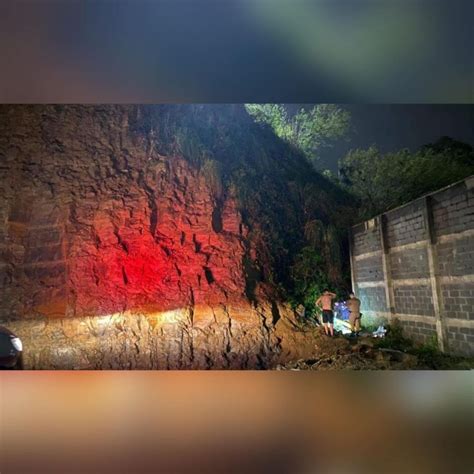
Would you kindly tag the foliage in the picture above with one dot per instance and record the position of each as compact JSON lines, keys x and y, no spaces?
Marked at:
{"x":430,"y":357}
{"x":308,"y":130}
{"x":382,"y":181}
{"x":310,"y":278}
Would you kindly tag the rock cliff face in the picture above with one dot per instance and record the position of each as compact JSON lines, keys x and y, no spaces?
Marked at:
{"x":115,"y":255}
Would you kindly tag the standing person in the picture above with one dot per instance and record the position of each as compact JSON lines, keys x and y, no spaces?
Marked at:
{"x":353,"y":305}
{"x":325,"y":303}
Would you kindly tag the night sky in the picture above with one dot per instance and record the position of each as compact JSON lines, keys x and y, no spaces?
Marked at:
{"x":393,"y":127}
{"x":141,"y":51}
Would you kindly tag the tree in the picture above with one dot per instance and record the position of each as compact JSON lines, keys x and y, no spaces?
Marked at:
{"x":385,"y":180}
{"x":308,"y":130}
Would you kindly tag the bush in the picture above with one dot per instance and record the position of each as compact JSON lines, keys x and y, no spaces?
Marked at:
{"x":309,"y":279}
{"x":395,"y":339}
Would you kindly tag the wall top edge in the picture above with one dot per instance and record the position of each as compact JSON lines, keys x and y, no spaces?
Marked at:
{"x":367,"y":224}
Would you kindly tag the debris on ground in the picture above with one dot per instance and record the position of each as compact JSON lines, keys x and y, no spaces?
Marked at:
{"x":352,"y":353}
{"x":364,"y":352}
{"x":379,"y":332}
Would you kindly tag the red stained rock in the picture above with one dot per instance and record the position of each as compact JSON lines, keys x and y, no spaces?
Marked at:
{"x":130,"y":245}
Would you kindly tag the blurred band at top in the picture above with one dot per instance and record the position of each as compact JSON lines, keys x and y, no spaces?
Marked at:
{"x":364,"y":51}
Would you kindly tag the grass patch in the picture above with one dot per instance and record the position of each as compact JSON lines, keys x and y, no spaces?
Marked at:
{"x":428,"y":354}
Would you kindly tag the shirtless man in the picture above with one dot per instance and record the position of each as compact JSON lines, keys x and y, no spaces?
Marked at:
{"x":353,"y":305}
{"x":325,"y":303}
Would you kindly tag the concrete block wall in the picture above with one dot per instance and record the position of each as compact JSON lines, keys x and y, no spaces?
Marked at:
{"x":416,"y":264}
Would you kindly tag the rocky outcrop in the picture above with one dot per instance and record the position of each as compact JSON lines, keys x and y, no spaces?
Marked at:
{"x":115,"y":255}
{"x":198,"y":337}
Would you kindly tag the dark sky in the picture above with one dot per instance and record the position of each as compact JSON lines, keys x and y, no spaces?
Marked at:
{"x":393,"y":127}
{"x":208,"y":51}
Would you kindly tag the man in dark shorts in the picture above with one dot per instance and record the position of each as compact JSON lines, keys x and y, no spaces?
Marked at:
{"x":325,"y":303}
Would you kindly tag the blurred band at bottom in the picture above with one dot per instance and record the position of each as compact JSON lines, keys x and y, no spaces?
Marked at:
{"x":222,"y":422}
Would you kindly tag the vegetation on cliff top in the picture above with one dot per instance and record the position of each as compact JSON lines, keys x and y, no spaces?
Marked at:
{"x":381,"y":181}
{"x":309,"y":130}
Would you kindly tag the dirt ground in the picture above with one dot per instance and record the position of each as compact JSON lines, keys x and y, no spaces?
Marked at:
{"x":365,"y":353}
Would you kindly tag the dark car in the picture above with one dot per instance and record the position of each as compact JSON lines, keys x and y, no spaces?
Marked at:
{"x":11,"y":350}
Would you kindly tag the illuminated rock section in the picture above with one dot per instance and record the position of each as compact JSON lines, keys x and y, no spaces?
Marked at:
{"x":157,"y":251}
{"x":116,"y":256}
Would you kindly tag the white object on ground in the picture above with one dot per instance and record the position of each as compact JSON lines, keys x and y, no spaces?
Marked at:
{"x":342,"y":326}
{"x":379,"y":332}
